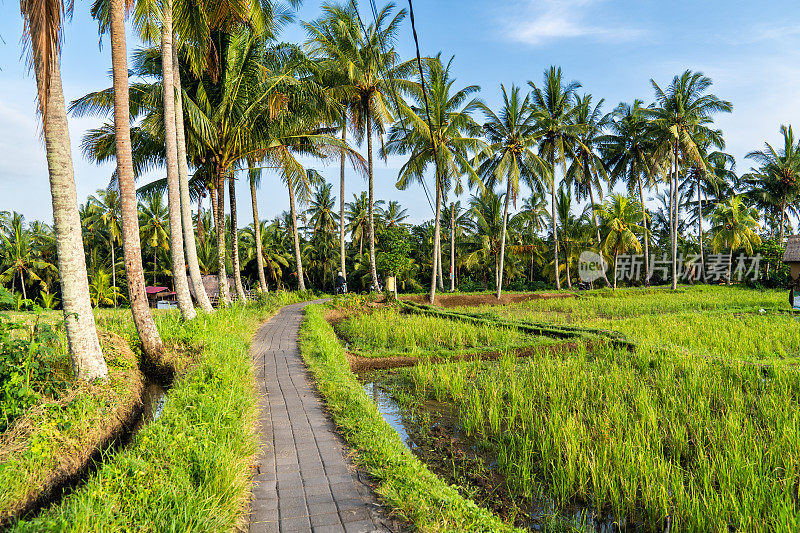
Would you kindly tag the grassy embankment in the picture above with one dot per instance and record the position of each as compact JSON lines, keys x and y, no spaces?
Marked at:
{"x":188,"y":470}
{"x":406,"y":485}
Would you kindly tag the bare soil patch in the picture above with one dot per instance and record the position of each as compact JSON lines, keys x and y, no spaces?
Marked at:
{"x":470,"y":300}
{"x":359,"y":363}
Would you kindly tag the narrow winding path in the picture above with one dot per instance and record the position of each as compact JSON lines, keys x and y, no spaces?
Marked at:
{"x":303,"y":481}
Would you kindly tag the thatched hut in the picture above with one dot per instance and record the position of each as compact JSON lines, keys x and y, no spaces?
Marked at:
{"x":791,"y":256}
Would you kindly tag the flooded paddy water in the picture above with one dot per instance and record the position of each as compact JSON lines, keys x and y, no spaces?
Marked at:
{"x":433,"y":431}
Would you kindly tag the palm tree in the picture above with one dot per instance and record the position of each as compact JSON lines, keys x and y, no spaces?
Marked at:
{"x":510,"y":155}
{"x":18,"y":256}
{"x":587,"y":168}
{"x":42,"y":37}
{"x":628,"y":150}
{"x":142,"y":317}
{"x":437,"y":129}
{"x":620,"y":215}
{"x":393,"y":216}
{"x":254,"y":175}
{"x":778,"y":174}
{"x":105,"y":216}
{"x":680,"y":119}
{"x":735,"y":226}
{"x":371,"y":74}
{"x":533,"y":217}
{"x":154,"y":223}
{"x":332,"y":39}
{"x":555,"y":113}
{"x":357,"y":214}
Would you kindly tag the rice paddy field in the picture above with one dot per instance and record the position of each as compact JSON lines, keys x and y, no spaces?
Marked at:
{"x":697,"y":429}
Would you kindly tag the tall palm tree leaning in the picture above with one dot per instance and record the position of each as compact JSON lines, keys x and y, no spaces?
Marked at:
{"x":437,"y":129}
{"x":189,"y":240}
{"x":555,"y":112}
{"x":680,"y":119}
{"x":42,"y":36}
{"x":179,"y":278}
{"x":142,"y":317}
{"x":510,"y":155}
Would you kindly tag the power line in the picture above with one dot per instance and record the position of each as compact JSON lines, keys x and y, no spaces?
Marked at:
{"x":389,"y":79}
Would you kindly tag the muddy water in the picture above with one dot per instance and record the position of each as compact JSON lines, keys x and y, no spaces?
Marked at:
{"x":433,"y":432}
{"x":153,"y":400}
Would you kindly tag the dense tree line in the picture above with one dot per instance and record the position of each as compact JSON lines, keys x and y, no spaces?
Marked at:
{"x":215,"y":97}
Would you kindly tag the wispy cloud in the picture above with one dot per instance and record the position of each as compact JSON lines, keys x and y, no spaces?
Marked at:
{"x":536,"y":22}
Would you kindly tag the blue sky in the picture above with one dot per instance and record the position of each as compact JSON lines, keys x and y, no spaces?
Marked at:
{"x":749,"y":49}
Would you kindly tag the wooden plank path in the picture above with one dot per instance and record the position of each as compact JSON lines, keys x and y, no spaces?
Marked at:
{"x":303,"y":481}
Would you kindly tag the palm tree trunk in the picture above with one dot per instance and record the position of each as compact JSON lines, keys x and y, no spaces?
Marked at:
{"x":113,"y":273}
{"x":452,"y":246}
{"x":646,"y":237}
{"x":700,"y":231}
{"x":566,"y":264}
{"x":436,"y":226}
{"x":301,"y":285}
{"x":730,"y":266}
{"x":615,"y":271}
{"x":439,"y":264}
{"x":22,"y":284}
{"x":224,"y":297}
{"x":674,"y":211}
{"x":200,"y":233}
{"x":341,"y":202}
{"x":783,"y":224}
{"x":237,"y":272}
{"x":262,"y":281}
{"x":503,"y":240}
{"x":142,"y":317}
{"x":555,"y":223}
{"x":372,"y":269}
{"x":84,"y":347}
{"x":155,"y":265}
{"x":189,"y":241}
{"x":179,"y":280}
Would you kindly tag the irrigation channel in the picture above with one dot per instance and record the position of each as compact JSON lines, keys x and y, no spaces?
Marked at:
{"x":434,"y":433}
{"x":154,"y":398}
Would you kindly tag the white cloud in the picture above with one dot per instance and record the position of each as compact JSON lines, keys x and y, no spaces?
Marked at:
{"x":536,"y":22}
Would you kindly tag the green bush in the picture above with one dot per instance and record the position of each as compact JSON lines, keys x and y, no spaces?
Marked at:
{"x":25,"y":367}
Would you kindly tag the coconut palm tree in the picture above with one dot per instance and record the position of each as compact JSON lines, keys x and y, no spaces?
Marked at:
{"x":510,"y":156}
{"x":628,"y":149}
{"x":154,"y":224}
{"x":679,"y":120}
{"x":555,"y":114}
{"x":393,"y":215}
{"x":778,"y":174}
{"x":735,"y":226}
{"x":105,"y":216}
{"x":372,"y":77}
{"x":620,"y":214}
{"x":19,"y":256}
{"x":437,"y":129}
{"x":142,"y":317}
{"x":42,"y":37}
{"x":254,"y":177}
{"x":357,"y":214}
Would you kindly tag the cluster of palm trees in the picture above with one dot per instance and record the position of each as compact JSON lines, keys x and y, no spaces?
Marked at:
{"x":214,"y":97}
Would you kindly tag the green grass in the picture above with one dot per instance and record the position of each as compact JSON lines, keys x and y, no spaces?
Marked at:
{"x":405,"y":484}
{"x":709,"y":444}
{"x":626,"y":303}
{"x":188,"y":470}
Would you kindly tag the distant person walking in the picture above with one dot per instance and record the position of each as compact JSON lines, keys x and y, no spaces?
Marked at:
{"x":341,"y":284}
